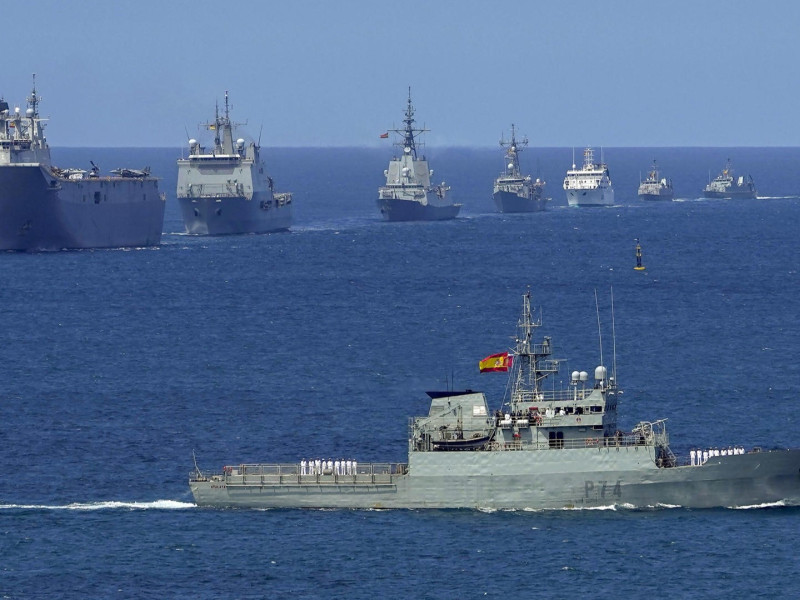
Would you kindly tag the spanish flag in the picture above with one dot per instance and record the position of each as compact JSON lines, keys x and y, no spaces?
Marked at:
{"x":384,"y":135}
{"x":496,"y":362}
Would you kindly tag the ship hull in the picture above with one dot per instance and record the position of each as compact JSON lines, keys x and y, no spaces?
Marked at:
{"x":508,"y":202}
{"x":554,"y":479}
{"x":41,"y":212}
{"x":656,"y":197}
{"x":234,"y":215}
{"x":595,"y":197}
{"x":395,"y":209}
{"x":730,"y":194}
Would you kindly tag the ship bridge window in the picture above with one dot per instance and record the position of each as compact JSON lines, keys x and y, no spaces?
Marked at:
{"x":596,"y":409}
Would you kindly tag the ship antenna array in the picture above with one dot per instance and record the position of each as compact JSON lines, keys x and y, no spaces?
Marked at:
{"x":614,"y":337}
{"x":599,"y":330}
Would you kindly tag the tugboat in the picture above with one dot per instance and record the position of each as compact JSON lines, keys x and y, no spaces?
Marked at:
{"x":589,"y":185}
{"x":725,"y":185}
{"x":43,"y":207}
{"x":545,"y":447}
{"x":655,"y":187}
{"x":227,"y":190}
{"x":514,"y":192}
{"x":408,"y":194}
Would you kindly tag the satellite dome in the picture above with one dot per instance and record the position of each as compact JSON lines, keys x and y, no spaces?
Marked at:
{"x":510,"y":165}
{"x":29,"y":112}
{"x":192,"y":142}
{"x":240,"y":142}
{"x":406,"y":149}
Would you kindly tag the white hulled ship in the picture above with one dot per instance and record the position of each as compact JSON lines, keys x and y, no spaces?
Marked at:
{"x":408,"y":194}
{"x":590,"y":185}
{"x":43,"y":207}
{"x":726,"y":185}
{"x":514,"y":192}
{"x":226,"y":190}
{"x":655,"y":187}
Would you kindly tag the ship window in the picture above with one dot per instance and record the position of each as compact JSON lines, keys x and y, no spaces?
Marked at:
{"x":556,"y":439}
{"x":596,"y":409}
{"x":97,"y":197}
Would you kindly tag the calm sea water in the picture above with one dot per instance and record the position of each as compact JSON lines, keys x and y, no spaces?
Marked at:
{"x":117,"y":364}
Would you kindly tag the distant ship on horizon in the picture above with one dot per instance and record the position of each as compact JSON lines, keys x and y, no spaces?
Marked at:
{"x":655,"y":187}
{"x":43,"y":207}
{"x":591,"y":184}
{"x":226,"y":190}
{"x":408,"y":194}
{"x":514,"y":192}
{"x":725,"y":185}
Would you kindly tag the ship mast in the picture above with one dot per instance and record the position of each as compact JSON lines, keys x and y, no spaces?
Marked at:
{"x":513,"y":150}
{"x":531,"y":363}
{"x":409,"y":132}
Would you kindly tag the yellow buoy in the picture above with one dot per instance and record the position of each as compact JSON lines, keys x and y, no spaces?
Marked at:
{"x":639,"y":266}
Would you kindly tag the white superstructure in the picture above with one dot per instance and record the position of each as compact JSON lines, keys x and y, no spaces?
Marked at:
{"x":590,"y":185}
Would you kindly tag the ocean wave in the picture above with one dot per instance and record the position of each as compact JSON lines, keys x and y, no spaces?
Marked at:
{"x":777,"y":504}
{"x":106,"y":505}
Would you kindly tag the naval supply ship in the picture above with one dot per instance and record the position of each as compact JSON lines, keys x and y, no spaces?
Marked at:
{"x":408,"y":194}
{"x":725,"y":185}
{"x":226,"y":190}
{"x":44,"y":207}
{"x":590,"y":185}
{"x":547,"y":447}
{"x":655,"y":187}
{"x":514,"y":192}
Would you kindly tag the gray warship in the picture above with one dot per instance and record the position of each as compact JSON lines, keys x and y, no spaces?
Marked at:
{"x":408,"y":194}
{"x":725,"y":185}
{"x":549,"y":447}
{"x":655,"y":187}
{"x":514,"y":192}
{"x":44,"y":207}
{"x":226,"y":190}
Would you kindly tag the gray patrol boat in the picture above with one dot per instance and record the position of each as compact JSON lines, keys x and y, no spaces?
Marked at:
{"x":43,"y":207}
{"x":726,"y":185}
{"x":226,"y":190}
{"x":408,"y":194}
{"x":550,"y":447}
{"x":655,"y":187}
{"x":513,"y":191}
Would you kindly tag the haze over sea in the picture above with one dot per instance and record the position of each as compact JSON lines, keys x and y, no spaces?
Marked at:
{"x":118,"y":364}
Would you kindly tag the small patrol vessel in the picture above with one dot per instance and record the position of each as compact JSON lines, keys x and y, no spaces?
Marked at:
{"x":655,"y":187}
{"x":590,"y":185}
{"x":226,"y":190}
{"x":726,"y":185}
{"x":408,"y":194}
{"x":44,"y":207}
{"x":546,"y":447}
{"x":514,"y":192}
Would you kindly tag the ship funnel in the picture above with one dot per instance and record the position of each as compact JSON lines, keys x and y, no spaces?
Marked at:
{"x":600,"y":373}
{"x":584,"y":376}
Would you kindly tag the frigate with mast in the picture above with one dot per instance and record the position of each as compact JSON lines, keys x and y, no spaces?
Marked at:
{"x":226,"y":189}
{"x":45,"y":207}
{"x":408,"y":194}
{"x":513,"y":191}
{"x":655,"y":187}
{"x":591,"y":184}
{"x":727,"y":185}
{"x":545,"y":447}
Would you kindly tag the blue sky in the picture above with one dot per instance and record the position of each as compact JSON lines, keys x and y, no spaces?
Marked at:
{"x":336,"y":73}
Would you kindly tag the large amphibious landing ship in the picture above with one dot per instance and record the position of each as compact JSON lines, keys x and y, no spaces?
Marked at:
{"x":43,"y":207}
{"x":548,"y":448}
{"x":226,"y":190}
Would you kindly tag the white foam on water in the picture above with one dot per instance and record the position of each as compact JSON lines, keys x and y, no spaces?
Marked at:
{"x":756,"y":506}
{"x":107,"y":505}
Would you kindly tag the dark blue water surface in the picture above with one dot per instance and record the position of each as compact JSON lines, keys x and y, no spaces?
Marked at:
{"x":117,"y":364}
